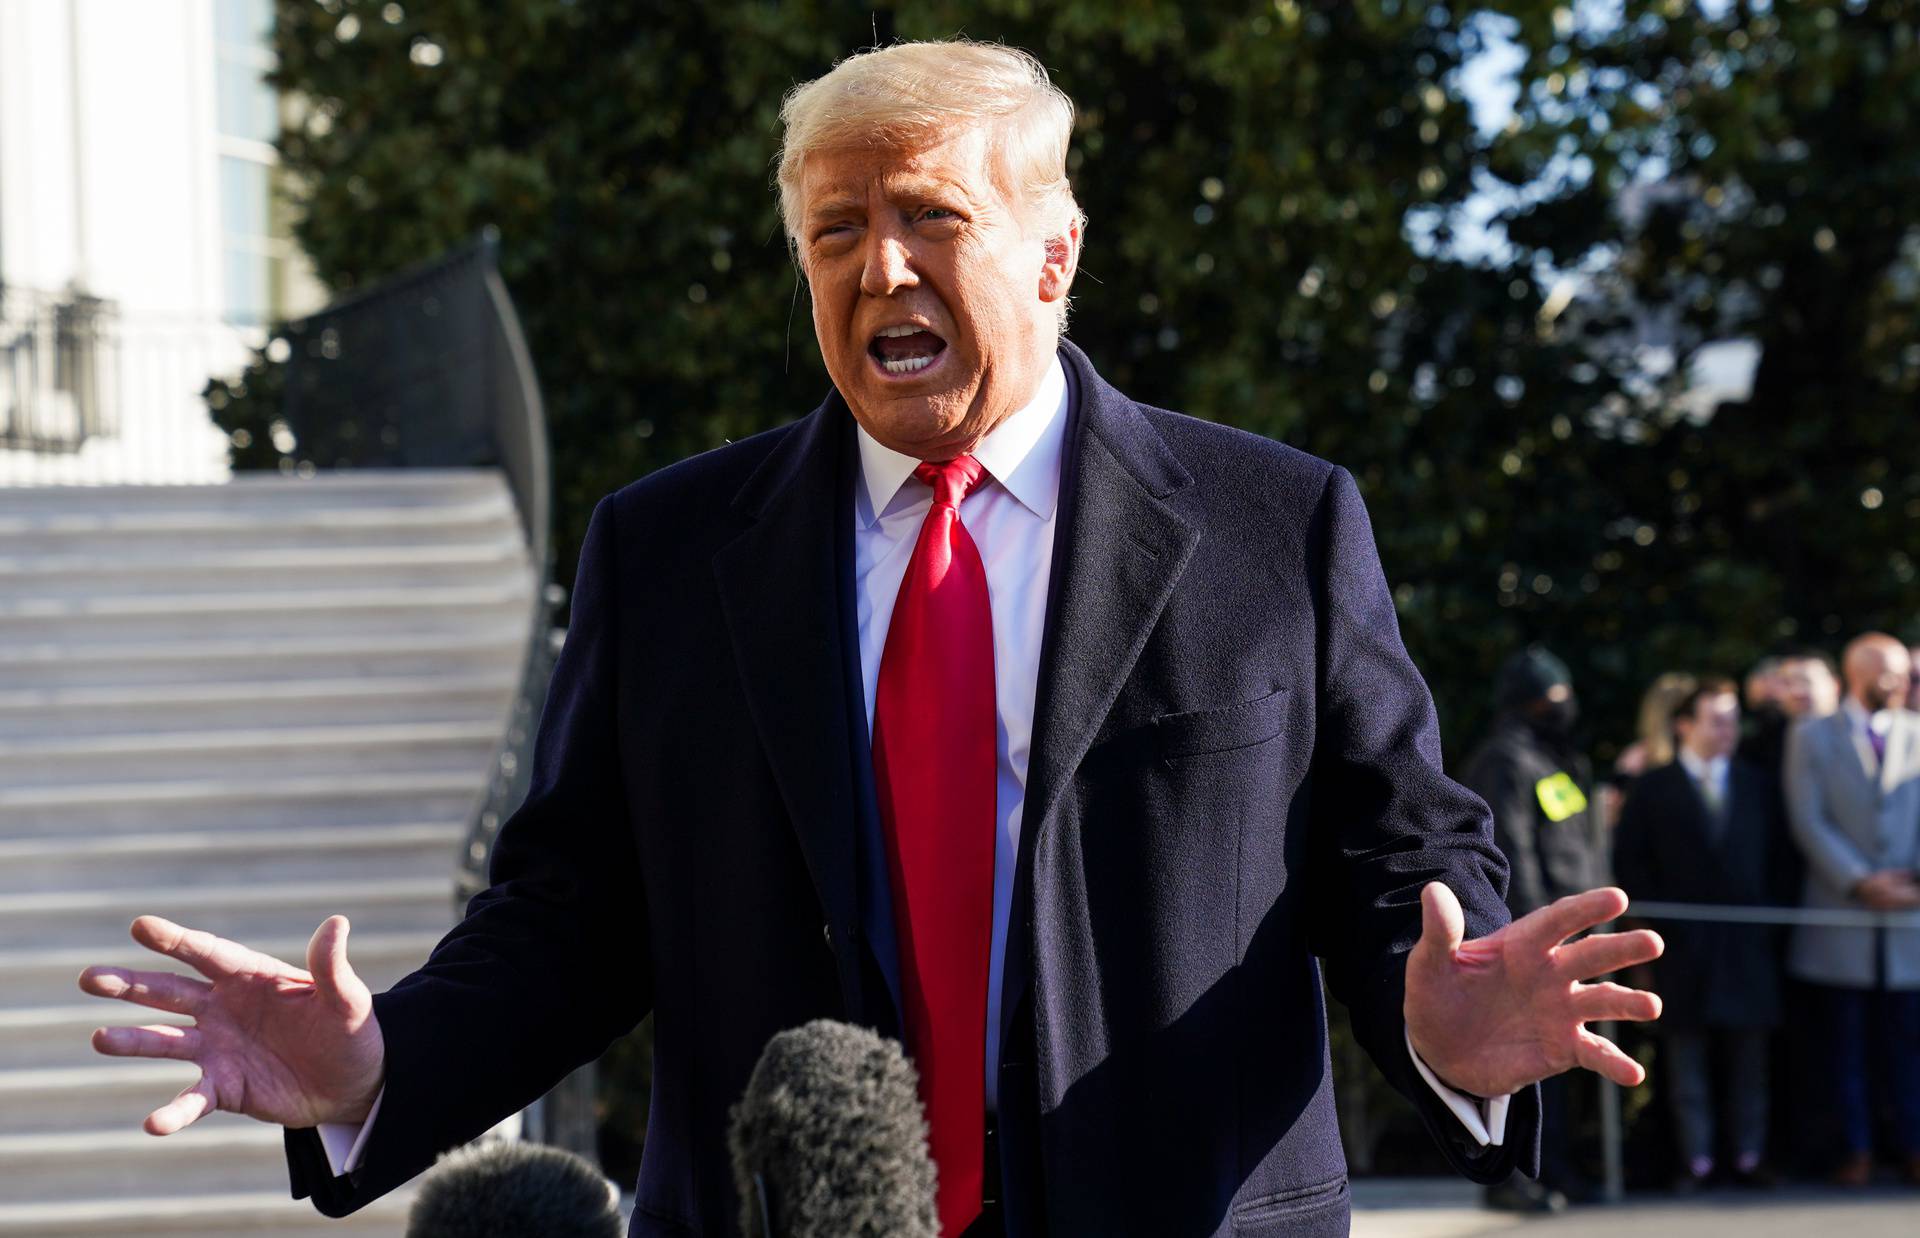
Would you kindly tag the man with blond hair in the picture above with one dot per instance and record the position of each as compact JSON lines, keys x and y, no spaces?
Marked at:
{"x":1064,"y":738}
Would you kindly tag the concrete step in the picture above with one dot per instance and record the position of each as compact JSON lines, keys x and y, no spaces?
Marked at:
{"x":50,"y":530}
{"x":174,"y":707}
{"x":220,"y":1153}
{"x":264,"y":655}
{"x":248,"y":492}
{"x":449,"y":609}
{"x":112,"y":575}
{"x":235,"y":1215}
{"x":49,"y":976}
{"x":237,"y":802}
{"x":244,"y":912}
{"x":323,"y":853}
{"x":276,"y":751}
{"x":53,"y":1037}
{"x":115,"y":1092}
{"x":287,"y":504}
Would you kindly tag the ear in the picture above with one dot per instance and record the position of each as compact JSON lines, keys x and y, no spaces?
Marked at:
{"x":1062,"y":260}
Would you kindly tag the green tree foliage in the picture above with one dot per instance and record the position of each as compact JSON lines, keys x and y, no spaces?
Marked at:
{"x":1276,"y":191}
{"x":1279,"y":194}
{"x":1740,"y":171}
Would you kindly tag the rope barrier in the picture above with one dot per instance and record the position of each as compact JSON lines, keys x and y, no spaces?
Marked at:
{"x":1823,"y":917}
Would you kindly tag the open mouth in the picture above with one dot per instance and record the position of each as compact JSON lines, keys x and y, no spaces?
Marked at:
{"x":905,"y":350}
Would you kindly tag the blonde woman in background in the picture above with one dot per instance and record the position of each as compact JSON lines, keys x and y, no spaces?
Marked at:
{"x":1653,"y":745}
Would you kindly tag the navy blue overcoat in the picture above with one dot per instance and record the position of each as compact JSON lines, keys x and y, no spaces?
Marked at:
{"x":1235,"y":788}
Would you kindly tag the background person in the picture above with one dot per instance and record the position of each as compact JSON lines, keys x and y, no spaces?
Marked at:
{"x":1853,"y":800}
{"x":1799,"y":685}
{"x":1699,"y":830}
{"x":1536,"y":782}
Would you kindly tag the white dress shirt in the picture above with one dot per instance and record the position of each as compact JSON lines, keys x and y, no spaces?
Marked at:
{"x":1011,"y":516}
{"x":1864,"y":726}
{"x":1709,"y":776}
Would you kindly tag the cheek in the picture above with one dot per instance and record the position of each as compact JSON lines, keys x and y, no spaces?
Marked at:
{"x":832,"y":315}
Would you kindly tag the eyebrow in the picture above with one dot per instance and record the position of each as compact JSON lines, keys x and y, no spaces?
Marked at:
{"x":838,"y":204}
{"x":917,"y":189}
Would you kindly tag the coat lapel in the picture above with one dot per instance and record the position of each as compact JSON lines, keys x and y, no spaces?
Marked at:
{"x":1694,"y":808}
{"x":1119,"y":549}
{"x":1893,"y":770}
{"x":779,"y":590}
{"x":1856,"y":742}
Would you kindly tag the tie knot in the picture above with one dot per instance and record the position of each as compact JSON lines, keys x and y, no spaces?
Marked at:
{"x":952,"y":480}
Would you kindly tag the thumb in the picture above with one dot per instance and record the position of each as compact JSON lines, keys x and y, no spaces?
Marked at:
{"x":332,"y":974}
{"x":1443,"y":926}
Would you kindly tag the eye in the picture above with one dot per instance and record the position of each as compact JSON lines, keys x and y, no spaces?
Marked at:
{"x":938,"y":213}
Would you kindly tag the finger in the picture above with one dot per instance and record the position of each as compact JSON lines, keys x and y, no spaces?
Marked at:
{"x":216,"y":958}
{"x":1601,"y":1002}
{"x":1608,"y":952}
{"x":1603,"y":1057}
{"x":154,"y":1040}
{"x":183,"y":1110}
{"x":159,"y":989}
{"x":332,"y":974}
{"x":1442,"y":923}
{"x":1576,"y":913}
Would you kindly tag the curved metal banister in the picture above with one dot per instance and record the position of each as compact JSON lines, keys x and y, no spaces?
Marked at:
{"x":431,"y":368}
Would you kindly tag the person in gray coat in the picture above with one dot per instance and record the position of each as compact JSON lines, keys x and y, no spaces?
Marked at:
{"x":1853,"y":801}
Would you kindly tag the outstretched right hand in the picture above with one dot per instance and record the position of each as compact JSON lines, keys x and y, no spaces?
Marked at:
{"x":275,"y":1042}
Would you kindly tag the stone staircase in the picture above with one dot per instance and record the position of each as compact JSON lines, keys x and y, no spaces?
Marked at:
{"x":244,"y":707}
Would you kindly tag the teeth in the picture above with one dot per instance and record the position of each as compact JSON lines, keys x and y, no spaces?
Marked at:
{"x":907,"y":365}
{"x":896,"y":332}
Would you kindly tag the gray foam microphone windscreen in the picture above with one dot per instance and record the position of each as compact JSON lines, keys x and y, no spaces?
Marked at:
{"x":503,"y":1189}
{"x":830,"y":1141}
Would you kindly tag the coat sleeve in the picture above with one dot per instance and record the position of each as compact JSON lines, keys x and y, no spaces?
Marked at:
{"x":1832,"y":855}
{"x":551,"y":962}
{"x":1387,"y":820}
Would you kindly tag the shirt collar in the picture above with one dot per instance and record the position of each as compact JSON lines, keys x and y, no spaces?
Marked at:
{"x":1715,"y":769}
{"x":1022,"y":453}
{"x":1880,"y":721}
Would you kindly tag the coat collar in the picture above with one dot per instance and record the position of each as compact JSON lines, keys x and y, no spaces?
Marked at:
{"x":1120,"y":548}
{"x":780,"y":584}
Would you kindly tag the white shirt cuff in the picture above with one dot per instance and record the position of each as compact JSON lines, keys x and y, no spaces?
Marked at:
{"x":1485,"y":1120}
{"x":345,"y":1141}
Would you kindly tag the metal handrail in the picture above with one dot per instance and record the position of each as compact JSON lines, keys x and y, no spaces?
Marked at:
{"x":431,"y":368}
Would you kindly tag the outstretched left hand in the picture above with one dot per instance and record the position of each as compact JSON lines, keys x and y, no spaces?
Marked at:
{"x":1492,"y":1015}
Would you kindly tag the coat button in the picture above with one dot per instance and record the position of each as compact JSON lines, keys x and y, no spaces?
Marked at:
{"x":826,"y":931}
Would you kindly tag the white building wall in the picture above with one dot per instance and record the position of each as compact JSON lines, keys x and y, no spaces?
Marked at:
{"x":109,"y":163}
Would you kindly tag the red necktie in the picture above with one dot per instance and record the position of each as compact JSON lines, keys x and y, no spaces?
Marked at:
{"x":934,"y":769}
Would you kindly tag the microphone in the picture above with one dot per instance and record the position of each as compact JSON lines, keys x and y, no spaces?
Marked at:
{"x":508,"y":1189}
{"x":829,"y":1140}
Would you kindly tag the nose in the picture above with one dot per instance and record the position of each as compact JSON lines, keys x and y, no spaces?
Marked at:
{"x":888,"y":266}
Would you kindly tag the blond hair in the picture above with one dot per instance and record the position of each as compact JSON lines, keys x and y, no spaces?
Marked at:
{"x":1656,"y":715}
{"x":911,"y":92}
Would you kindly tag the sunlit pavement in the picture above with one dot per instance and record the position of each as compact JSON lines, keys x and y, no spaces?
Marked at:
{"x":1438,"y":1208}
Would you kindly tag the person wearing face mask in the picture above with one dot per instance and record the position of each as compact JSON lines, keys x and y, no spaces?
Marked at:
{"x":1537,"y":782}
{"x":1853,"y":800}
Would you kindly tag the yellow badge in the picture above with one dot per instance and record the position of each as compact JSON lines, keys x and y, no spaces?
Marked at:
{"x":1560,"y":797}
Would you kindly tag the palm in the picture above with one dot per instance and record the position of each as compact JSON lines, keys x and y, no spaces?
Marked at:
{"x":1492,"y":1015}
{"x":273,"y":1041}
